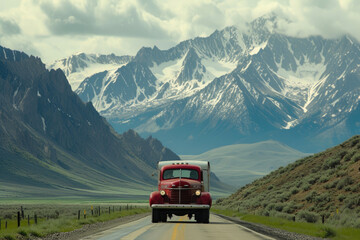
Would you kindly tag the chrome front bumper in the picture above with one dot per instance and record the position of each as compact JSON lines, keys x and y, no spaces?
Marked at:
{"x":180,"y":206}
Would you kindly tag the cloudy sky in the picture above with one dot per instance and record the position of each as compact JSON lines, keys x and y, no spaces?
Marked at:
{"x":54,"y":29}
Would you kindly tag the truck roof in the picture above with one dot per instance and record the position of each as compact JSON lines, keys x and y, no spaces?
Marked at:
{"x":182,"y":166}
{"x":201,"y":164}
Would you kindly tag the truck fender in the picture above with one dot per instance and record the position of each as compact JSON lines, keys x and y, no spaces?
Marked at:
{"x":156,"y":198}
{"x":205,"y":198}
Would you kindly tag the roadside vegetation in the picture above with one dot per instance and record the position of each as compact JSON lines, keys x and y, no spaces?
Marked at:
{"x":58,"y":218}
{"x":320,"y":188}
{"x":302,"y":227}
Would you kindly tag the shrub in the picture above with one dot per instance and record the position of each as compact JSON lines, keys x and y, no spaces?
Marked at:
{"x":22,"y":233}
{"x":355,"y":188}
{"x":348,"y":156}
{"x":313,"y":180}
{"x":331,"y":163}
{"x":324,"y":178}
{"x":311,"y":196}
{"x":286,"y":216}
{"x":329,"y":232}
{"x":306,"y":187}
{"x":341,"y":197}
{"x":344,"y":182}
{"x":309,"y":217}
{"x":279,"y":207}
{"x":341,"y":173}
{"x":323,"y":198}
{"x":283,"y":197}
{"x":354,"y":142}
{"x":247,"y":193}
{"x":352,"y":201}
{"x":290,"y":207}
{"x":8,"y":237}
{"x":294,"y":190}
{"x":356,"y":157}
{"x":331,"y":184}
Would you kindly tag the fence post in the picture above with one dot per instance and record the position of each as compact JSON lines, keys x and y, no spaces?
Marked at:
{"x":22,"y":212}
{"x":79,"y":215}
{"x":18,"y":219}
{"x":92,"y":210}
{"x":127,"y":206}
{"x":323,"y":219}
{"x":35,"y":218}
{"x":84,"y":213}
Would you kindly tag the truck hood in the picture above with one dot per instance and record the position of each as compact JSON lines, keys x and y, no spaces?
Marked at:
{"x":177,"y":183}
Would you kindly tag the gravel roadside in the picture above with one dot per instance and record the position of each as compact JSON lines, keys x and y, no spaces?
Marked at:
{"x":90,"y":229}
{"x":268,"y":231}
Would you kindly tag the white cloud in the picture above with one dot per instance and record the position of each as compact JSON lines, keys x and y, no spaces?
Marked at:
{"x":59,"y":28}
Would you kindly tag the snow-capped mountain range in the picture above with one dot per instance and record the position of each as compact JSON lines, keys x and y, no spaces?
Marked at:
{"x":232,"y":86}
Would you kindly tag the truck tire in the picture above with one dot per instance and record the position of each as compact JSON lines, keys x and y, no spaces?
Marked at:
{"x":155,"y":215}
{"x":202,"y":216}
{"x":206,"y":216}
{"x":198,"y":217}
{"x":163,"y":216}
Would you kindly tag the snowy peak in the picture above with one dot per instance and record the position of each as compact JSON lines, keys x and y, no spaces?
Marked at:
{"x":129,"y":84}
{"x":80,"y":66}
{"x":191,"y":68}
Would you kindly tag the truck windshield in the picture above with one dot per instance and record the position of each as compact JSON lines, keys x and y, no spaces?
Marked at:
{"x":185,"y":173}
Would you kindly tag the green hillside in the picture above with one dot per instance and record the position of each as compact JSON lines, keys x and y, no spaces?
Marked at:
{"x":54,"y":145}
{"x":324,"y":184}
{"x":240,"y":164}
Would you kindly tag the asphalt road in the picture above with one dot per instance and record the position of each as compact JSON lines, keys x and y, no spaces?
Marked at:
{"x":178,"y":228}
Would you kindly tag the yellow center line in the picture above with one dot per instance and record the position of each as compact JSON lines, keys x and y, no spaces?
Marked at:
{"x":178,"y":235}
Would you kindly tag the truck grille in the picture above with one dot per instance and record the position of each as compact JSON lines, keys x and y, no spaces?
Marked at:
{"x":184,"y":198}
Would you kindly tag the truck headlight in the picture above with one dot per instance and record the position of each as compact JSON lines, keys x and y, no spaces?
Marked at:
{"x":198,"y":192}
{"x":162,"y":193}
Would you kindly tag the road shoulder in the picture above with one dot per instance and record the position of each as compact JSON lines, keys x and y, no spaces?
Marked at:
{"x":91,"y":229}
{"x":268,"y":231}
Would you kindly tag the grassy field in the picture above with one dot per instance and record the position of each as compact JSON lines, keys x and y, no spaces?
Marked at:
{"x":54,"y":218}
{"x":312,"y":229}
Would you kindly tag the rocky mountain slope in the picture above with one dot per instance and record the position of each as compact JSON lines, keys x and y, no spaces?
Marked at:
{"x":236,"y":86}
{"x":324,"y":184}
{"x":53,"y":144}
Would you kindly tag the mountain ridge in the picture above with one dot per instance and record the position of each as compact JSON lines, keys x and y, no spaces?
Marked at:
{"x":54,"y":144}
{"x":252,"y":85}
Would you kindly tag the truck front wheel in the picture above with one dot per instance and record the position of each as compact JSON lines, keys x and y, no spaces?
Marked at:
{"x":155,"y":215}
{"x":163,"y":216}
{"x":206,"y":216}
{"x":203,"y":216}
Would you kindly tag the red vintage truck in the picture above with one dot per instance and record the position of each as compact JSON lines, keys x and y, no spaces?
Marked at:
{"x":183,"y":189}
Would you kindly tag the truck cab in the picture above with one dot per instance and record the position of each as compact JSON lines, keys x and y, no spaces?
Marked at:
{"x":183,"y":189}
